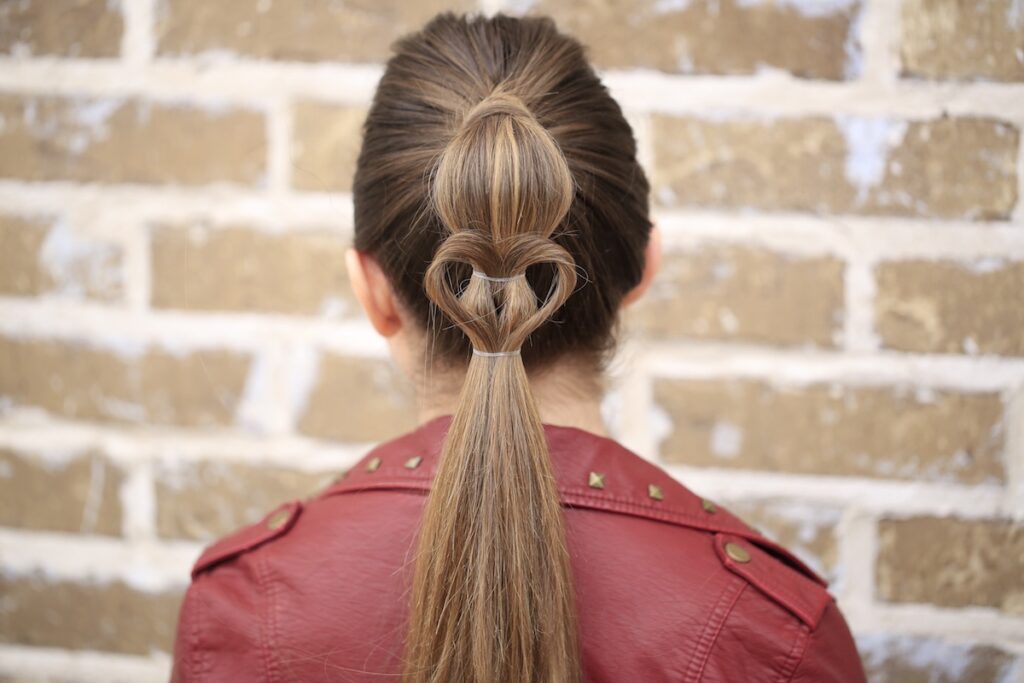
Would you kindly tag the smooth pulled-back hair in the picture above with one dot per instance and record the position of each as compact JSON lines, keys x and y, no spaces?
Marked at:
{"x":492,"y":146}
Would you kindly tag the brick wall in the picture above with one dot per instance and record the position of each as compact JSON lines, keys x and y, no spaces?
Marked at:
{"x":835,"y":347}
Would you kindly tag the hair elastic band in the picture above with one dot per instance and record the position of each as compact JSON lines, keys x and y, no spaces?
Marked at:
{"x":492,"y":354}
{"x":485,"y":276}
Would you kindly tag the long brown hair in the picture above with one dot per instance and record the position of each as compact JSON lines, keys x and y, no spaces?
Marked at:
{"x":492,"y":146}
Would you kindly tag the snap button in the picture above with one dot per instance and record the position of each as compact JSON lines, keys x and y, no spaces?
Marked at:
{"x":278,"y":519}
{"x":737,"y":552}
{"x":708,"y":506}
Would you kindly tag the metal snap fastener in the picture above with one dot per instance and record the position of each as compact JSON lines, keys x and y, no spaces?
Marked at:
{"x":278,"y":519}
{"x":737,"y":552}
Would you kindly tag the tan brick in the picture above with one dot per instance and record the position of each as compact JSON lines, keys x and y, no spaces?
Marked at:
{"x":129,"y":141}
{"x":40,"y":256}
{"x":870,"y":431}
{"x":309,"y":31}
{"x":207,"y":500}
{"x":963,"y":40}
{"x":906,"y":659}
{"x":325,"y":146}
{"x":744,"y":294}
{"x":949,"y":307}
{"x":132,"y":385}
{"x":808,"y":531}
{"x":384,"y":407}
{"x":962,"y":168}
{"x":82,"y":492}
{"x":977,"y":563}
{"x":62,"y":28}
{"x":714,"y":36}
{"x":239,"y":269}
{"x":109,"y":617}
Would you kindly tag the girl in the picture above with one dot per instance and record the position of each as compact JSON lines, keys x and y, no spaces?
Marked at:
{"x":501,"y":224}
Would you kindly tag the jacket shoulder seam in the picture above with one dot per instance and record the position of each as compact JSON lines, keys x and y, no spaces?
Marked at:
{"x":196,"y":656}
{"x":786,"y":586}
{"x":263,"y":594}
{"x":796,"y":655}
{"x":713,"y":628}
{"x":274,"y":524}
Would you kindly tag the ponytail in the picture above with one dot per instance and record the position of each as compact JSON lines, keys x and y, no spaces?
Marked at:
{"x":492,"y":597}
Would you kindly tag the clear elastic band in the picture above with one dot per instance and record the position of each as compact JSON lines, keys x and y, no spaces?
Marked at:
{"x":493,"y":354}
{"x":484,"y":276}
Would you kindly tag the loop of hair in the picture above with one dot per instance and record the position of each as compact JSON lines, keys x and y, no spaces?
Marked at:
{"x":499,"y":316}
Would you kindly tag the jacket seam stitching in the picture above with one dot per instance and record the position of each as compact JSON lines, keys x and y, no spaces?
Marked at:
{"x":265,"y":636}
{"x":610,"y":503}
{"x":795,"y":656}
{"x":195,"y":664}
{"x":713,"y":627}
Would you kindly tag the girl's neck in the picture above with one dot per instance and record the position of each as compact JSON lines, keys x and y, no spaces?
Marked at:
{"x":565,"y":395}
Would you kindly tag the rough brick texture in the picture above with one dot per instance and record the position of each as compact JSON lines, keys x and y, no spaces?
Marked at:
{"x":129,"y":141}
{"x":61,"y":28}
{"x":105,"y":616}
{"x":320,"y":31}
{"x":834,"y":429}
{"x":82,"y":492}
{"x":952,"y":307}
{"x":904,"y":659}
{"x":241,"y":269}
{"x":44,"y":256}
{"x":133,"y":385}
{"x":976,"y":564}
{"x":944,"y":168}
{"x":325,"y":146}
{"x":705,"y":293}
{"x":384,"y":406}
{"x":963,"y":40}
{"x":206,"y":500}
{"x":716,"y":36}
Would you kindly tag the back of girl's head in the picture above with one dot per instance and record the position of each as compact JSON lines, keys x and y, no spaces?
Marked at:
{"x":498,"y":188}
{"x":458,"y":65}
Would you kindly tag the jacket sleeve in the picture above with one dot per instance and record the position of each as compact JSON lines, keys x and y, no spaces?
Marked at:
{"x":831,"y":654}
{"x":221,"y":634}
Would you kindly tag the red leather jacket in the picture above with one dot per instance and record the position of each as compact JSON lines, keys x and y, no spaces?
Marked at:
{"x":669,"y":586}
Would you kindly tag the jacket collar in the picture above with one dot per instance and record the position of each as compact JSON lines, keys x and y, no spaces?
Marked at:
{"x":593,"y":472}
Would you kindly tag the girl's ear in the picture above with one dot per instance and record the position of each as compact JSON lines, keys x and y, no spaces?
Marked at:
{"x":652,"y":264}
{"x":374,"y":292}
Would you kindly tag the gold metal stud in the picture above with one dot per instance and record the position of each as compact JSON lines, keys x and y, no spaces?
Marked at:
{"x":737,"y":552}
{"x":708,"y":506}
{"x":372,"y":464}
{"x":655,"y":492}
{"x":596,"y":480}
{"x":278,"y":519}
{"x":413,"y":462}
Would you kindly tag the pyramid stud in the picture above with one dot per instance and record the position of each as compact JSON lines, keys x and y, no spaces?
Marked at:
{"x":596,"y":480}
{"x":413,"y":462}
{"x":654,"y":492}
{"x":372,"y":464}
